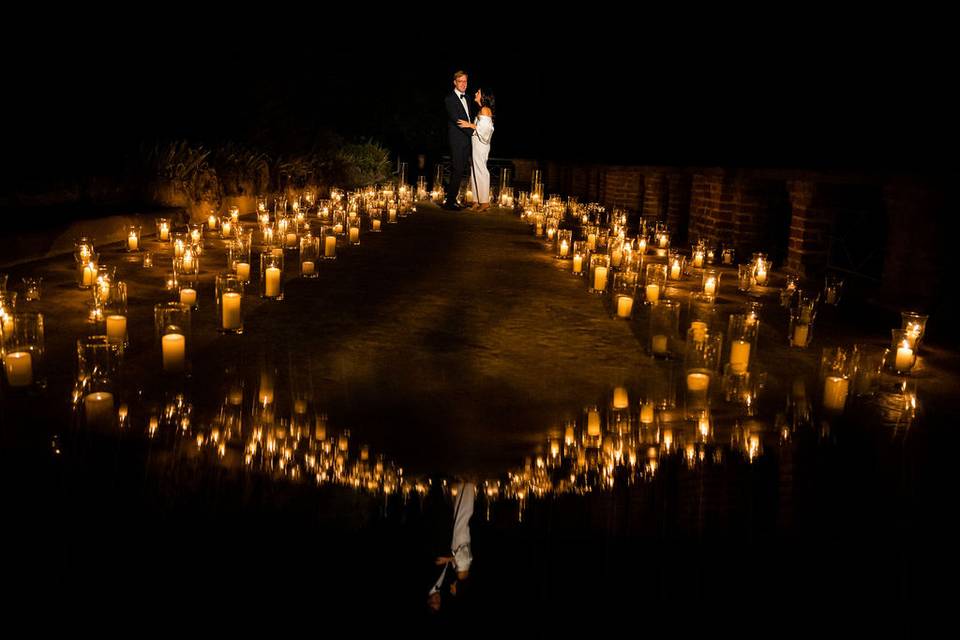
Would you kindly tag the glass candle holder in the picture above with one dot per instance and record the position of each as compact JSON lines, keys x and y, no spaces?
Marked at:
{"x":87,"y":271}
{"x":902,"y":356}
{"x":661,"y":240}
{"x":238,"y":259}
{"x":698,"y":256}
{"x":599,"y":272}
{"x":615,"y":251}
{"x":579,"y":258}
{"x":32,"y":288}
{"x":309,"y":256}
{"x":8,"y":304}
{"x":788,"y":291}
{"x":832,"y":290}
{"x":133,"y":243}
{"x":261,"y":204}
{"x":147,"y":259}
{"x":710,"y":283}
{"x":728,"y":256}
{"x":675,"y":266}
{"x":83,"y":251}
{"x":761,"y":269}
{"x":391,"y":214}
{"x":914,"y":325}
{"x":744,"y":277}
{"x":867,"y":366}
{"x":180,"y":243}
{"x":187,"y":265}
{"x":353,"y":231}
{"x":701,"y":365}
{"x":590,"y":233}
{"x":229,"y":293}
{"x":624,"y":294}
{"x":213,"y":221}
{"x":271,"y":276}
{"x":196,"y":237}
{"x":227,"y":227}
{"x":800,"y":331}
{"x":97,"y":357}
{"x":806,"y":307}
{"x":655,"y":283}
{"x":172,"y":323}
{"x":115,"y":314}
{"x":836,"y":368}
{"x":743,"y":340}
{"x":564,"y":244}
{"x":163,"y":229}
{"x":376,"y":222}
{"x":328,"y":237}
{"x":702,"y":309}
{"x":23,"y":351}
{"x":551,"y":229}
{"x":664,"y":324}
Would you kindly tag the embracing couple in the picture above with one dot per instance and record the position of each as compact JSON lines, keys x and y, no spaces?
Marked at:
{"x":469,"y":140}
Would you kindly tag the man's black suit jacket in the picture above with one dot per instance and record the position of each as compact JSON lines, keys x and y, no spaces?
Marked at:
{"x":459,"y":137}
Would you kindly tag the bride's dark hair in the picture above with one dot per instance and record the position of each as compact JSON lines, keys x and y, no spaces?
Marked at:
{"x":487,"y":100}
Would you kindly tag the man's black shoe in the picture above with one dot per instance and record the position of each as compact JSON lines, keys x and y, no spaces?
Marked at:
{"x":452,"y":207}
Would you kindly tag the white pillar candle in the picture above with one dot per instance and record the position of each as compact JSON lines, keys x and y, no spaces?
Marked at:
{"x":89,"y":274}
{"x":174,"y":346}
{"x":564,"y":248}
{"x":272,"y":282}
{"x":698,"y":382}
{"x":98,"y":409}
{"x":243,"y":270}
{"x":164,"y":232}
{"x":653,"y":292}
{"x":291,"y":239}
{"x":188,"y":261}
{"x":659,"y":344}
{"x":761,"y":275}
{"x":801,"y":333}
{"x":593,"y":423}
{"x":621,"y":399}
{"x":904,"y":358}
{"x":577,"y":264}
{"x":330,"y":246}
{"x":188,"y":296}
{"x":710,"y":286}
{"x":699,"y":330}
{"x":132,"y":241}
{"x":376,"y":224}
{"x":739,"y":356}
{"x":19,"y":367}
{"x":624,"y":306}
{"x":354,"y":234}
{"x":835,"y":391}
{"x":117,"y":328}
{"x":307,"y":268}
{"x":227,"y":227}
{"x":646,"y":413}
{"x":231,"y":310}
{"x":212,"y":222}
{"x":600,"y":278}
{"x":698,"y":260}
{"x":675,"y":270}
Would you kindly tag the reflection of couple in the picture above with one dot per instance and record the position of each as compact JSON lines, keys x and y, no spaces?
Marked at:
{"x":469,"y":137}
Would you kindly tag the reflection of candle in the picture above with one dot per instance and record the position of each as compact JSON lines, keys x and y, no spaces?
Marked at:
{"x":19,"y":366}
{"x":133,"y":242}
{"x":699,"y":330}
{"x":592,"y":241}
{"x":577,"y":263}
{"x":621,"y":400}
{"x":307,"y":268}
{"x":913,"y":334}
{"x":710,"y":286}
{"x":564,"y":248}
{"x":98,"y":408}
{"x":835,"y":392}
{"x":739,"y":356}
{"x":697,"y":382}
{"x":272,"y":282}
{"x":338,"y":228}
{"x":291,"y":239}
{"x":904,"y":356}
{"x":376,"y":224}
{"x":330,"y":246}
{"x":231,"y":310}
{"x":600,"y":278}
{"x":751,"y":319}
{"x":801,"y":332}
{"x":243,"y":270}
{"x":7,"y":324}
{"x":178,"y":249}
{"x":188,"y":296}
{"x":624,"y":306}
{"x":653,"y":292}
{"x":675,"y":270}
{"x":831,"y":296}
{"x":646,"y":413}
{"x":593,"y":423}
{"x":174,"y":352}
{"x":117,"y":328}
{"x":354,"y":235}
{"x":616,"y":257}
{"x":392,"y":215}
{"x":659,"y":344}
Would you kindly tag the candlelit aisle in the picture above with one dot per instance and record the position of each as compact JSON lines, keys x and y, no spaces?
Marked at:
{"x":457,"y":344}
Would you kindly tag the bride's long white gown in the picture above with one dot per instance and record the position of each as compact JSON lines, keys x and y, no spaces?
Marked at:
{"x":480,"y":177}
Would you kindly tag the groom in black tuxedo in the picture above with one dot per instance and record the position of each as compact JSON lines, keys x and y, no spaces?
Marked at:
{"x":458,"y":108}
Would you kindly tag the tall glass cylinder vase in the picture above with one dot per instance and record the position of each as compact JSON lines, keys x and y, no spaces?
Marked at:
{"x":23,"y":352}
{"x":172,"y":322}
{"x":309,"y":256}
{"x":664,"y":325}
{"x":743,"y":340}
{"x":229,"y":292}
{"x":271,"y":276}
{"x":599,"y":272}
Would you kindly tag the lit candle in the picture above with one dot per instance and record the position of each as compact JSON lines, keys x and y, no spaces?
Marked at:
{"x":291,"y":239}
{"x":710,"y":286}
{"x":338,"y":228}
{"x":392,"y":214}
{"x":550,"y":233}
{"x":89,"y":274}
{"x":188,"y":260}
{"x":164,"y":231}
{"x":243,"y":270}
{"x":267,"y":235}
{"x":564,"y":248}
{"x":698,"y":382}
{"x":600,"y":278}
{"x":188,"y":296}
{"x":212,"y":222}
{"x":272,"y":282}
{"x":19,"y":367}
{"x":593,"y":423}
{"x":761,"y":274}
{"x":904,"y":358}
{"x":739,"y":356}
{"x":835,"y":391}
{"x":698,"y":259}
{"x":653,"y":292}
{"x":231,"y":310}
{"x":675,"y":270}
{"x":621,"y":400}
{"x":659,"y":344}
{"x":354,"y":234}
{"x":699,"y":330}
{"x":98,"y":409}
{"x":178,"y":249}
{"x":801,"y":332}
{"x":227,"y":227}
{"x":117,"y":328}
{"x":330,"y":246}
{"x":174,"y":352}
{"x":624,"y":306}
{"x":577,"y":263}
{"x":307,"y":268}
{"x":646,"y":413}
{"x":132,"y":241}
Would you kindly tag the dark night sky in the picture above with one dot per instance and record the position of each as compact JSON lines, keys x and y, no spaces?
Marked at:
{"x":767,"y":102}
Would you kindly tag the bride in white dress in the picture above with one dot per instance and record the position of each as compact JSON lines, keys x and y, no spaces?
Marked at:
{"x":482,"y":135}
